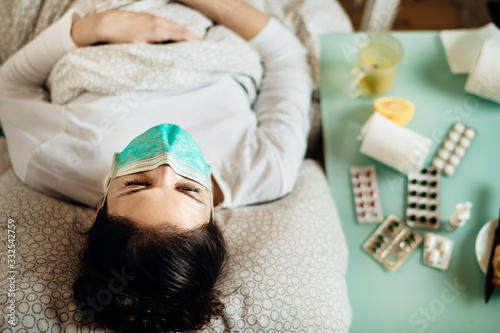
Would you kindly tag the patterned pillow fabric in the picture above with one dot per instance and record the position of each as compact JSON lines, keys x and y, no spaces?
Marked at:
{"x":287,"y":262}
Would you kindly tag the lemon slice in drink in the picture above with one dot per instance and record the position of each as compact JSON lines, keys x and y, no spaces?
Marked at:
{"x":399,"y":110}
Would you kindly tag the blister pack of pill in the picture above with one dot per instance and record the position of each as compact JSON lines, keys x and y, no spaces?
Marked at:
{"x":437,"y":251}
{"x":366,"y":194}
{"x":422,"y":203}
{"x":453,"y":149}
{"x":392,"y":243}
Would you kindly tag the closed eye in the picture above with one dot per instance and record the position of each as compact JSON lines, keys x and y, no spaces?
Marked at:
{"x":186,"y":187}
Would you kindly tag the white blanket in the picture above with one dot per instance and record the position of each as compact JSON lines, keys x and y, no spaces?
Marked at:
{"x":120,"y":68}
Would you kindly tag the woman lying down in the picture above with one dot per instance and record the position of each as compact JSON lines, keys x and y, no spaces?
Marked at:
{"x":188,"y":144}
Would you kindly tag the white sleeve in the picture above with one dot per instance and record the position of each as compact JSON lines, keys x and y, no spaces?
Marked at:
{"x":276,"y":148}
{"x":24,"y":74}
{"x":26,"y":115}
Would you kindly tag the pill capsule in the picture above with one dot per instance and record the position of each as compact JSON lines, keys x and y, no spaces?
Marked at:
{"x":434,"y":172}
{"x":459,"y":127}
{"x":429,"y":241}
{"x":433,"y":220}
{"x":433,"y":256}
{"x":381,"y":237}
{"x":379,"y":244}
{"x":470,"y":133}
{"x":413,"y":193}
{"x":368,"y":174}
{"x":356,"y":175}
{"x":433,"y":207}
{"x":422,"y":219}
{"x":423,"y":183}
{"x":433,"y":195}
{"x":412,"y":205}
{"x":413,"y":218}
{"x":424,"y":171}
{"x":423,"y":206}
{"x":433,"y":184}
{"x":423,"y":194}
{"x":395,"y":223}
{"x":413,"y":181}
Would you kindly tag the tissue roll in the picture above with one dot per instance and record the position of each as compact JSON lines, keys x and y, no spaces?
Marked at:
{"x":484,"y":78}
{"x":393,"y":145}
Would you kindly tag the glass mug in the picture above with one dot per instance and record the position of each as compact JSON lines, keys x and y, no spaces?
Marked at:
{"x":376,"y":67}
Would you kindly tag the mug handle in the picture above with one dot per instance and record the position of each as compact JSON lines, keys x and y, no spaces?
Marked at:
{"x":353,"y":89}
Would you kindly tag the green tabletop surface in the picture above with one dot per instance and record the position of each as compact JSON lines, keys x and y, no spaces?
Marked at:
{"x":415,"y":298}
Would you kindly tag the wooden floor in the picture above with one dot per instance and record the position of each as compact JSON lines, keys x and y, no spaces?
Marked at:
{"x":416,"y":15}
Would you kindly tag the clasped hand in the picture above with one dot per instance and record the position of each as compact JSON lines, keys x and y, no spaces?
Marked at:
{"x":125,"y":27}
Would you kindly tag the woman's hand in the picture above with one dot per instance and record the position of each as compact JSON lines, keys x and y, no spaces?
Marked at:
{"x":127,"y":27}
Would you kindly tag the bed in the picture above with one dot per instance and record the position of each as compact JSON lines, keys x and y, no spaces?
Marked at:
{"x":287,"y":259}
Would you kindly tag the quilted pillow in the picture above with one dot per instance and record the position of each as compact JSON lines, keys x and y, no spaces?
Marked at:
{"x":287,"y":261}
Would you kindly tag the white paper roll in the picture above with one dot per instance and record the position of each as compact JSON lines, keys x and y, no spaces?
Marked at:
{"x":393,"y":145}
{"x":484,"y":78}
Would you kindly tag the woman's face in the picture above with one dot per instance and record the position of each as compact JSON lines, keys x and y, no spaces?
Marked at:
{"x":160,"y":195}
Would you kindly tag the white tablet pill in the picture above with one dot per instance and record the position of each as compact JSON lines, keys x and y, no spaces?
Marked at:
{"x":455,"y":160}
{"x":444,"y":154}
{"x":459,"y":151}
{"x":449,"y":145}
{"x":459,"y":127}
{"x":438,"y":163}
{"x":464,"y":142}
{"x":470,"y":133}
{"x":433,"y":256}
{"x":449,"y":170}
{"x":454,"y":136}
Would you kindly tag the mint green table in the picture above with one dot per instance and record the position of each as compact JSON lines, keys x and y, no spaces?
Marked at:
{"x":416,"y":298}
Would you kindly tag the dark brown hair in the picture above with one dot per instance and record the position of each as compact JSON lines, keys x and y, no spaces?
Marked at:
{"x":150,"y":279}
